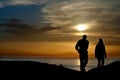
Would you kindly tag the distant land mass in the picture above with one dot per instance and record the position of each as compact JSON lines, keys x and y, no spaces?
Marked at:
{"x":44,"y":71}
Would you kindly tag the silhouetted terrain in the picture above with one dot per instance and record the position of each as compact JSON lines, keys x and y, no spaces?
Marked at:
{"x":43,"y":71}
{"x":107,"y":72}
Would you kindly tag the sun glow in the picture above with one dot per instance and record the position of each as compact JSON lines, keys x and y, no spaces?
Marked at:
{"x":81,"y":27}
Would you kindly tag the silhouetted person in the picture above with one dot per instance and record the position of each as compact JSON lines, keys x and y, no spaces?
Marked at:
{"x":81,"y":47}
{"x":100,"y":53}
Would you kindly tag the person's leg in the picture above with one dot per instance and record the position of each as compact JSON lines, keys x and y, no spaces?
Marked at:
{"x":81,"y":64}
{"x":99,"y":61}
{"x":85,"y":61}
{"x":102,"y":62}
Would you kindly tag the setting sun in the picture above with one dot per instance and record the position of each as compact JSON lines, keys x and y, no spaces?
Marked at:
{"x":81,"y":27}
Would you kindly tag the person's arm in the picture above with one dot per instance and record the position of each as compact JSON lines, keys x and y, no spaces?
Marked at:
{"x":88,"y":45}
{"x":105,"y":52}
{"x":96,"y":51}
{"x":76,"y":46}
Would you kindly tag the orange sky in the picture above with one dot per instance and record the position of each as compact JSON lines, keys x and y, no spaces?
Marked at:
{"x":50,"y":49}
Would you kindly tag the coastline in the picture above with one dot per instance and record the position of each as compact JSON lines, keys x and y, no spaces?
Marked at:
{"x":66,"y":62}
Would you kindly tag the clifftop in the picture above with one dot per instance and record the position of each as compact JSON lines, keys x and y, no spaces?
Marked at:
{"x":54,"y":72}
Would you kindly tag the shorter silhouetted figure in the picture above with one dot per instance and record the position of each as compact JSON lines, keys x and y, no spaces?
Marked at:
{"x":81,"y":47}
{"x":100,"y":53}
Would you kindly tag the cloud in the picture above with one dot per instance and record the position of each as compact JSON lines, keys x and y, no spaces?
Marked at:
{"x":18,"y":30}
{"x":102,"y":18}
{"x":49,"y":28}
{"x":18,"y":27}
{"x":69,"y":13}
{"x":5,"y":3}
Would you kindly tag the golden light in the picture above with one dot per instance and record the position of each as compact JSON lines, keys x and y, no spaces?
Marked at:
{"x":81,"y":27}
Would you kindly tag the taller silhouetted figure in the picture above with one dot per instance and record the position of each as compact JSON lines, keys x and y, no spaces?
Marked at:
{"x":81,"y":47}
{"x":100,"y":53}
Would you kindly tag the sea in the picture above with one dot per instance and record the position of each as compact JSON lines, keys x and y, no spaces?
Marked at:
{"x":65,"y":62}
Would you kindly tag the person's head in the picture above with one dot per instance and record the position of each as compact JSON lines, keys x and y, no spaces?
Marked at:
{"x":100,"y":40}
{"x":84,"y":36}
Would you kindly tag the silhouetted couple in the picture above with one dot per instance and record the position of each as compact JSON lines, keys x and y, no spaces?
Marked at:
{"x":82,"y":47}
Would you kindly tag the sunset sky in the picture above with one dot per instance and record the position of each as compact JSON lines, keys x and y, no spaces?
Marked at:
{"x":51,"y":28}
